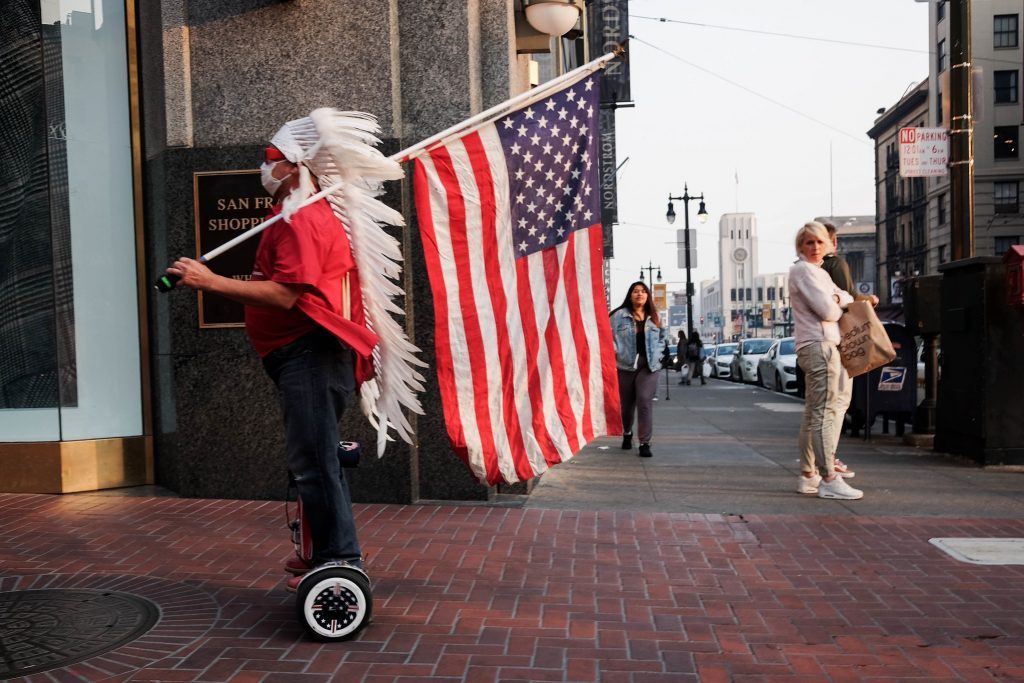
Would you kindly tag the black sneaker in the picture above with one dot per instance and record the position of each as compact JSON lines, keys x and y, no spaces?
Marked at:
{"x":627,"y":442}
{"x":645,"y":450}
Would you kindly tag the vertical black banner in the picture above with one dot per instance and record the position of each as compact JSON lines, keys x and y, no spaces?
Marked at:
{"x":609,"y":190}
{"x":607,"y":26}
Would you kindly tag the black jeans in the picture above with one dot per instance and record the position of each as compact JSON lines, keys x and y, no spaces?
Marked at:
{"x":315,"y":381}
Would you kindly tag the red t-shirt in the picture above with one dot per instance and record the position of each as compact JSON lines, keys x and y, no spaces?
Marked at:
{"x":310,"y":249}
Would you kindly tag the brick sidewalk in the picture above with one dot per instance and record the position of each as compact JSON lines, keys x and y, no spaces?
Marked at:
{"x":471,"y":593}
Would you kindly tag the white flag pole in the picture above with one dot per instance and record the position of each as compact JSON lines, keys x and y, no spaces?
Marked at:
{"x":167,"y":282}
{"x":521,"y":100}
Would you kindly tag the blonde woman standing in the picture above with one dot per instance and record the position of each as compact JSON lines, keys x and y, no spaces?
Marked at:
{"x":817,"y":303}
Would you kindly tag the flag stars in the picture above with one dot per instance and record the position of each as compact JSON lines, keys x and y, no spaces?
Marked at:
{"x":550,"y":159}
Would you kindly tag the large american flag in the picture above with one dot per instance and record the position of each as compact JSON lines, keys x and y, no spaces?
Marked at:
{"x":510,"y":219}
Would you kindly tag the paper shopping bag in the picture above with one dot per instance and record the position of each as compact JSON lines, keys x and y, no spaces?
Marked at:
{"x":864,"y":343}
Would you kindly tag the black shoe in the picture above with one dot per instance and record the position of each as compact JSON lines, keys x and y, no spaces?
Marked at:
{"x":645,"y":450}
{"x":627,"y":442}
{"x":702,"y":381}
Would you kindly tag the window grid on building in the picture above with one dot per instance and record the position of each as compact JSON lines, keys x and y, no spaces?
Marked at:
{"x":941,"y":55}
{"x":1005,"y":86}
{"x":1005,"y":196}
{"x":1003,"y":244}
{"x":1004,"y":140}
{"x":1004,"y":31}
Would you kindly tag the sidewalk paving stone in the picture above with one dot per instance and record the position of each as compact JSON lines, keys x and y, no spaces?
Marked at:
{"x":701,"y":564}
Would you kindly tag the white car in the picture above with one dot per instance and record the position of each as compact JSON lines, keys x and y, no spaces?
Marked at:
{"x":777,"y":369}
{"x":723,"y":357}
{"x":744,"y":363}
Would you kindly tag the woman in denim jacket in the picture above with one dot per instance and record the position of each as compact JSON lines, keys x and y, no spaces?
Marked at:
{"x":640,"y":344}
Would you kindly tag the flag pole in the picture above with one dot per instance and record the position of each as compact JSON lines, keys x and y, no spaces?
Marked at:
{"x":521,"y":100}
{"x":167,"y":282}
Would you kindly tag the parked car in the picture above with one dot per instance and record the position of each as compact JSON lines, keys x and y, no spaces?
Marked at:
{"x":776,"y":369}
{"x":723,"y":357}
{"x":743,"y":367}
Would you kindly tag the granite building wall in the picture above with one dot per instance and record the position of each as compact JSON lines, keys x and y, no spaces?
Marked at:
{"x":219,"y":77}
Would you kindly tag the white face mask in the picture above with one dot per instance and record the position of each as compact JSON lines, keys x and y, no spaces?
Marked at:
{"x":270,"y":183}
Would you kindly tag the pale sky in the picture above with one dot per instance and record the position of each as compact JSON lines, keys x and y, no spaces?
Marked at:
{"x":690,"y":125}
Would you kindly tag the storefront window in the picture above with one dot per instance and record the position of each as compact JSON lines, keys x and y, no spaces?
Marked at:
{"x":69,"y":326}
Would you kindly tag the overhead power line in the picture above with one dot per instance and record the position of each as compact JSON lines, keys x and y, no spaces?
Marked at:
{"x":795,"y":36}
{"x":753,"y":92}
{"x":779,"y":35}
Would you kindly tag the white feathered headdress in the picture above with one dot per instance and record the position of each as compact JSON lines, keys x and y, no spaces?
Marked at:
{"x":340,"y":147}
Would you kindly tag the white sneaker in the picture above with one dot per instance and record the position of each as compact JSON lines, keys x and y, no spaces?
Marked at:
{"x":839,"y":489}
{"x":808,"y":484}
{"x":843,"y":470}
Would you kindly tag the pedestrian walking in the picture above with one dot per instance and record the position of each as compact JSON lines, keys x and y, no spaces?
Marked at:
{"x":640,"y":345}
{"x":817,"y":303}
{"x":695,"y":357}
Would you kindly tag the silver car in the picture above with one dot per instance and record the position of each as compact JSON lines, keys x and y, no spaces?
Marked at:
{"x":777,"y":369}
{"x":744,"y":361}
{"x":723,"y":358}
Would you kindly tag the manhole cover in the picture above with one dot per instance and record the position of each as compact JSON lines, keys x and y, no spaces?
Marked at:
{"x":49,"y":629}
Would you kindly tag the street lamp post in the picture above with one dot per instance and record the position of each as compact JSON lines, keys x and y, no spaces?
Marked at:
{"x":650,"y":270}
{"x":702,"y":216}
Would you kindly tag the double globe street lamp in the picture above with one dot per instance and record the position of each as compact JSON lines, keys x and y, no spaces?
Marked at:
{"x":702,"y":216}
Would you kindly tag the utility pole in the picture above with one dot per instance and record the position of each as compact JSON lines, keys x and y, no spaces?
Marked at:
{"x":961,"y":132}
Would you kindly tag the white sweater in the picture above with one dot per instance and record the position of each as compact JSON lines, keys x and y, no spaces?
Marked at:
{"x":813,"y":302}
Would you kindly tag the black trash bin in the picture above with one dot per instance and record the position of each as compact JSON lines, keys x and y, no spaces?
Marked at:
{"x":889,"y":391}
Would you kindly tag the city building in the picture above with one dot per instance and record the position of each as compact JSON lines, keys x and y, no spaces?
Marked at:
{"x":741,"y":302}
{"x":902,"y":237}
{"x":996,"y":57}
{"x":114,"y":117}
{"x":913,"y":214}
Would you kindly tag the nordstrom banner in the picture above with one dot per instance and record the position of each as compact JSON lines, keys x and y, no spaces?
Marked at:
{"x":607,"y":26}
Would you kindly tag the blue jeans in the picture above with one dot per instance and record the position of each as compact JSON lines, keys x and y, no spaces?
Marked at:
{"x":314,"y":381}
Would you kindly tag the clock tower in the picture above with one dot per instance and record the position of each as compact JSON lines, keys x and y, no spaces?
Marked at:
{"x":737,"y":268}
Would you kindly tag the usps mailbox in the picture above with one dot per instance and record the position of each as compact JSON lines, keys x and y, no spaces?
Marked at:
{"x":1013,"y":260}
